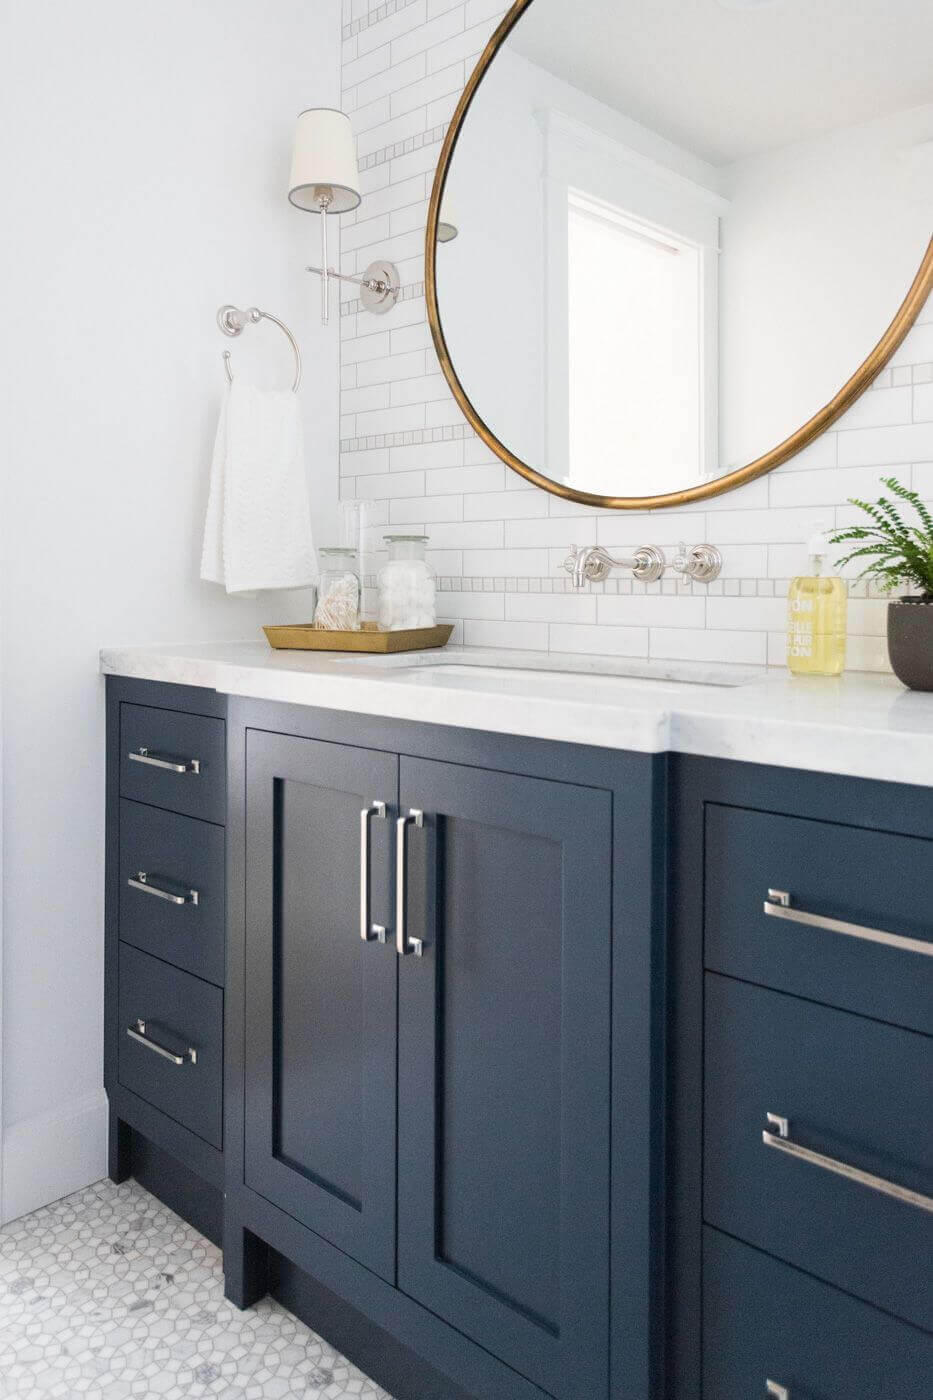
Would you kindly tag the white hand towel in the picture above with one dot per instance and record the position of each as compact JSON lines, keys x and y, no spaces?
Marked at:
{"x":257,"y":533}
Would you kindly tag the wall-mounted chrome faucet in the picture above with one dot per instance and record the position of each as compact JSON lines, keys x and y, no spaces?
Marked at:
{"x":593,"y":563}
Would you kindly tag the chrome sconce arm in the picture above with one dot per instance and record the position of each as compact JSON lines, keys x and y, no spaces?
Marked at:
{"x":379,"y":285}
{"x":594,"y":564}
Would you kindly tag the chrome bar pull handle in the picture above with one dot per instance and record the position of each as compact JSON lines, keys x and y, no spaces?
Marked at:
{"x":139,"y":1034}
{"x":778,"y":906}
{"x":165,"y":761}
{"x":780,"y":1392}
{"x":143,"y":882}
{"x":781,"y":1140}
{"x":404,"y":944}
{"x":368,"y":931}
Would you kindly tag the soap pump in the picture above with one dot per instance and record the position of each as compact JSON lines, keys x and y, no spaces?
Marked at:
{"x":816,"y":616}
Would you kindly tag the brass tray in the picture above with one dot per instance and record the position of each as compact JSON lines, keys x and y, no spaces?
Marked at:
{"x":302,"y":636}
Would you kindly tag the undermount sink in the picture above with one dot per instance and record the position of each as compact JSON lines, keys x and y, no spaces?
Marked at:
{"x":458,"y":665}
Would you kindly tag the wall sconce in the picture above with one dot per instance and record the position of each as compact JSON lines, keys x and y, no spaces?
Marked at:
{"x":325,"y":179}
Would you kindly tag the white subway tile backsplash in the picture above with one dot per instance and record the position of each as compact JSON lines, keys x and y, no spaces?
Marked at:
{"x":383,"y":486}
{"x":410,"y":123}
{"x":746,"y":614}
{"x":466,"y":45}
{"x":427,"y":389}
{"x":697,"y":644}
{"x":652,"y":610}
{"x":552,"y":607}
{"x":357,"y":70}
{"x":923,"y":402}
{"x":780,"y":525}
{"x":532,"y":563}
{"x":498,"y":544}
{"x":415,"y":337}
{"x":824,"y":488}
{"x":468,"y":480}
{"x":477,"y":10}
{"x":427,"y":455}
{"x":421,"y":509}
{"x":389,"y":368}
{"x":505,"y":505}
{"x":880,"y":408}
{"x":370,"y":396}
{"x":392,"y":27}
{"x":431,"y":35}
{"x":886,"y":447}
{"x":389,"y":78}
{"x":522,"y":636}
{"x":428,"y":91}
{"x":390,"y":420}
{"x":599,"y":640}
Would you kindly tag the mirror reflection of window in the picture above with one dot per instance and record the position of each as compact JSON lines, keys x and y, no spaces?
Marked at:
{"x":635,"y":334}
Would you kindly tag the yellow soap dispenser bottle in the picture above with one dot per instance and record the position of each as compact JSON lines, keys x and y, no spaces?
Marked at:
{"x":816,"y":617}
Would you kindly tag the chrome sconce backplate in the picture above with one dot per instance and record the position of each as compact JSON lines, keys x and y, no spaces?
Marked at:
{"x":381,"y":288}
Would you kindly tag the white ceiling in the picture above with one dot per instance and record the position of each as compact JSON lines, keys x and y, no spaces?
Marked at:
{"x":730,"y":83}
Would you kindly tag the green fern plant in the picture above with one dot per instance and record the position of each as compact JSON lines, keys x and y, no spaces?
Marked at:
{"x":894,"y":551}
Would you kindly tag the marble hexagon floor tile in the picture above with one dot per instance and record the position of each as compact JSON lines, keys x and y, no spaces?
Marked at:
{"x":107,"y":1295}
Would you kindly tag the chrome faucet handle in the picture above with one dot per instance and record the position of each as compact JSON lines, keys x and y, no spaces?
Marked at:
{"x":702,"y":562}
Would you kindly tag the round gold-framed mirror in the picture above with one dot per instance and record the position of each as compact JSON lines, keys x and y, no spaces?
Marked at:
{"x":857,"y":136}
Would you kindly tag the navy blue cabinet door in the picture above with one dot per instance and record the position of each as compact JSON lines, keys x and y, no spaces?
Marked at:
{"x":320,"y":1002}
{"x":504,"y":1052}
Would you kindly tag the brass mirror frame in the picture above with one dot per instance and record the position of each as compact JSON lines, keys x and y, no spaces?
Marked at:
{"x":854,"y":387}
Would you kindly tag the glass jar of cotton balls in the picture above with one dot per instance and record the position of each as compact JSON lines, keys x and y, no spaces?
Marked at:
{"x":406,"y":585}
{"x":338,"y":594}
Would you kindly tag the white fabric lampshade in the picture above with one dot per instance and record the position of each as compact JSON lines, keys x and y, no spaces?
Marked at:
{"x":325,"y":155}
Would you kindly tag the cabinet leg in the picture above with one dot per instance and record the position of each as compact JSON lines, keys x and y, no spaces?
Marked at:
{"x":119,"y":1149}
{"x":246,"y":1265}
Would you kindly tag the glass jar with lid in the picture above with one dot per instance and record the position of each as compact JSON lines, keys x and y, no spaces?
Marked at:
{"x":338,"y":594}
{"x":407,"y":590}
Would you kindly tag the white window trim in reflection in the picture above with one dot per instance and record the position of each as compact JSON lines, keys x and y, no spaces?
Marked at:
{"x":584,"y":164}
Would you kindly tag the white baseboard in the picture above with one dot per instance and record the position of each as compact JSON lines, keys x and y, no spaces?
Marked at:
{"x":53,"y":1154}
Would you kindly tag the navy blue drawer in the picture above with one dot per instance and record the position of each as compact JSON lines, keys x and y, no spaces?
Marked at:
{"x":181,"y":859}
{"x":174,"y":760}
{"x":854,"y":1090}
{"x":875,"y":880}
{"x":763,"y":1321}
{"x":179,"y":1014}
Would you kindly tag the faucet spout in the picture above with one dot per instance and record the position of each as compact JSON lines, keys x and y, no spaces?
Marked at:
{"x":594,"y":564}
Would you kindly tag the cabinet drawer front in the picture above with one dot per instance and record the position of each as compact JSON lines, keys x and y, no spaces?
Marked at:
{"x":179,"y":1014}
{"x":173,"y":760}
{"x":181,"y":858}
{"x":854,"y":1091}
{"x":873,"y":882}
{"x":763,"y":1321}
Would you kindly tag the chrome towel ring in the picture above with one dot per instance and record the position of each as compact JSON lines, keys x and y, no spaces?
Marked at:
{"x":233,"y":322}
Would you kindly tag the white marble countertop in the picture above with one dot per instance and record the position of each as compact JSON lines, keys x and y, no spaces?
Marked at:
{"x":859,"y":724}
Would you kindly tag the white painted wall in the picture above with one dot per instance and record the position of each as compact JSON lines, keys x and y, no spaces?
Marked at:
{"x":145,"y":161}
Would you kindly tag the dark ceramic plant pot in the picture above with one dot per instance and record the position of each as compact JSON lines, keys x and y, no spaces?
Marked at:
{"x":910,"y":641}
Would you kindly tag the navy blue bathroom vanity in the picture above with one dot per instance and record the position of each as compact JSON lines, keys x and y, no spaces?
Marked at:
{"x":521,"y":1069}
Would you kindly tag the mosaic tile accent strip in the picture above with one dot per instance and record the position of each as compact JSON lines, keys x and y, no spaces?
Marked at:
{"x":109,"y":1295}
{"x":454,"y":432}
{"x":403,"y":148}
{"x":389,"y":7}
